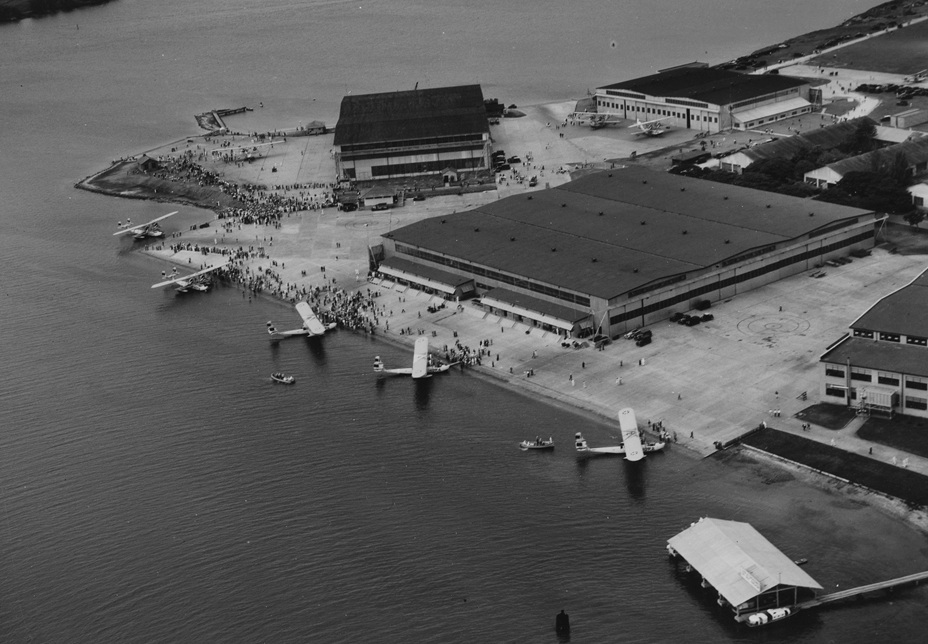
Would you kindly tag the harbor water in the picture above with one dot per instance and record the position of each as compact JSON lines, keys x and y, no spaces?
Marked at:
{"x":156,"y":486}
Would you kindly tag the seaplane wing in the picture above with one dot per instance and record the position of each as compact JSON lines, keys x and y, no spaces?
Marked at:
{"x":185,"y":281}
{"x":630,"y":436}
{"x":420,"y":358}
{"x":141,"y":229}
{"x":310,"y":322}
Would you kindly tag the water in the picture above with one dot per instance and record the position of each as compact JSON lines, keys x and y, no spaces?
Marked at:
{"x":156,"y":487}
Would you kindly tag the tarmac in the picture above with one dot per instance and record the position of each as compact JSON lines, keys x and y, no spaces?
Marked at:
{"x":707,"y":383}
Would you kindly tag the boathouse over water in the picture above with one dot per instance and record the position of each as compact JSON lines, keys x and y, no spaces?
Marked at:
{"x":749,"y":573}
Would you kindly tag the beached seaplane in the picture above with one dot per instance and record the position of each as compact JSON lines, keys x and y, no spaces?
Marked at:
{"x":422,"y":364}
{"x":631,"y":447}
{"x":655,"y":127}
{"x":141,"y":231}
{"x":199,"y":281}
{"x":312,"y":325}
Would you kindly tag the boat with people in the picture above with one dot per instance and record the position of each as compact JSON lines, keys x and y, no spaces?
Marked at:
{"x":282,"y":378}
{"x":538,"y":443}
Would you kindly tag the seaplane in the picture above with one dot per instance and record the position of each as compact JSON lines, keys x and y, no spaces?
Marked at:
{"x":312,"y":326}
{"x":245,"y":152}
{"x":597,"y":120}
{"x":631,"y":446}
{"x":141,"y":231}
{"x":422,"y":364}
{"x":650,"y":128}
{"x":199,"y":281}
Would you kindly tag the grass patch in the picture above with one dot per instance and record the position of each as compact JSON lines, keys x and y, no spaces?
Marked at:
{"x":902,"y":432}
{"x":883,"y":477}
{"x":827,"y":415}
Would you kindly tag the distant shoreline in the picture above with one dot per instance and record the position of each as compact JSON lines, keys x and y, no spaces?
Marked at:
{"x":16,"y":10}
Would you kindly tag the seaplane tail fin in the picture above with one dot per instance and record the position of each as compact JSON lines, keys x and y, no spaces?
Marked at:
{"x":580,"y":443}
{"x":630,"y":436}
{"x":420,"y":358}
{"x":310,"y":322}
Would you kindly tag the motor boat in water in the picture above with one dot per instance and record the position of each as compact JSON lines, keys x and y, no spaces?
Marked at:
{"x":538,"y":443}
{"x":283,"y":379}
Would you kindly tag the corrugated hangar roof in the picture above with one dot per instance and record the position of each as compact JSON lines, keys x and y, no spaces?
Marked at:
{"x":413,"y":114}
{"x":731,"y":555}
{"x":717,"y":86}
{"x":903,"y":312}
{"x":879,"y":355}
{"x":611,"y":232}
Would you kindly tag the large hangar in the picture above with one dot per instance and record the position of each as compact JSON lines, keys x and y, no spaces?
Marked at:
{"x":708,"y":99}
{"x":619,"y":249}
{"x":412,"y":133}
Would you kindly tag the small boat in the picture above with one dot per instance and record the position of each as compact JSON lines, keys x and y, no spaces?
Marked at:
{"x":281,"y":378}
{"x":538,"y":443}
{"x":800,"y":562}
{"x":768,"y":616}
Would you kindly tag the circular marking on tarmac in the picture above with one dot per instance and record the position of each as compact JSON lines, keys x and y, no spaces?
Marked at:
{"x":773,"y":324}
{"x":361,"y":223}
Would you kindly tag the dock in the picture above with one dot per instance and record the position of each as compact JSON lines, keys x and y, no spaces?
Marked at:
{"x":889,"y":584}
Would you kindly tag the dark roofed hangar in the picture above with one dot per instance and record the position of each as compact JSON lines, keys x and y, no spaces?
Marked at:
{"x":629,"y":247}
{"x":410,"y":133}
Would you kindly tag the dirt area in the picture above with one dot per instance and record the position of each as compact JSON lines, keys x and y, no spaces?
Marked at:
{"x":902,"y":432}
{"x":827,"y":416}
{"x":901,"y":51}
{"x":873,"y":21}
{"x":883,"y":477}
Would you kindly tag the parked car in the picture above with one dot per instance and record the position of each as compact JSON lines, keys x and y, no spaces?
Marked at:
{"x":380,"y":206}
{"x":643,"y":341}
{"x":419,"y":197}
{"x":349,"y":206}
{"x":708,"y":317}
{"x":676,"y":317}
{"x":514,"y":160}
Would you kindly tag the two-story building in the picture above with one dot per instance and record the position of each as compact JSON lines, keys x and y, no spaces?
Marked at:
{"x":881,"y":365}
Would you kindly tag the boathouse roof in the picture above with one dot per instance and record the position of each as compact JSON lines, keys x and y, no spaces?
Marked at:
{"x":737,"y":560}
{"x":411,"y":115}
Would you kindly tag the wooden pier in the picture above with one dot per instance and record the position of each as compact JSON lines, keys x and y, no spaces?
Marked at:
{"x":861,"y":590}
